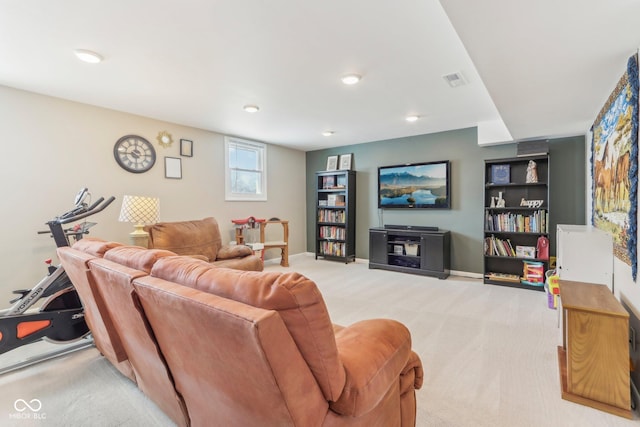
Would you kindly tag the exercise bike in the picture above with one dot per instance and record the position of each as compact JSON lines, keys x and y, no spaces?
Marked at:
{"x":60,"y":318}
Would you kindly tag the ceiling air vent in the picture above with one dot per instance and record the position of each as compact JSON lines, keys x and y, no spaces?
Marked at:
{"x":455,"y":79}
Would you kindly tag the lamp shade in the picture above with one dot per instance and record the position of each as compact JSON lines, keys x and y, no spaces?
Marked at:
{"x":140,"y":210}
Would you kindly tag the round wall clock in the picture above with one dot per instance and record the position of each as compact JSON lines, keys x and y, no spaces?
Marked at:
{"x":134,"y":153}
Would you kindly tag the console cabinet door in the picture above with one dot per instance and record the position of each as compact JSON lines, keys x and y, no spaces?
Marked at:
{"x":377,"y":247}
{"x":432,"y":252}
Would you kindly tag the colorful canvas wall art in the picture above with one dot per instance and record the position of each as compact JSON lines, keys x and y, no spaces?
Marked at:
{"x":614,"y":155}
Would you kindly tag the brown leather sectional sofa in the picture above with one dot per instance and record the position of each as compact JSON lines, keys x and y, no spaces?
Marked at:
{"x":220,"y":347}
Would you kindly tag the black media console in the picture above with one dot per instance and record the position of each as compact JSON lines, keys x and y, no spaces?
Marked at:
{"x":410,"y":249}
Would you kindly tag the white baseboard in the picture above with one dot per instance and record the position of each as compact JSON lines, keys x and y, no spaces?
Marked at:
{"x":366,"y":261}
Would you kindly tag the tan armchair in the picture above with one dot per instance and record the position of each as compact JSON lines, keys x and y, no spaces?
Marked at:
{"x":201,"y":239}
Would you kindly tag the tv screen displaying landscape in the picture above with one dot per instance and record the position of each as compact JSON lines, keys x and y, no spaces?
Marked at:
{"x":417,"y":185}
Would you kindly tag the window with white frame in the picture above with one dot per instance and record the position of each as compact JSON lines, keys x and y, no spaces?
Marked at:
{"x":246,"y":169}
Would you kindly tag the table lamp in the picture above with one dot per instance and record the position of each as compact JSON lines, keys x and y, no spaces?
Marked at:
{"x":140,"y":210}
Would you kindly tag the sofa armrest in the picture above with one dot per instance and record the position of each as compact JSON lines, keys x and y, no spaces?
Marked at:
{"x":235,"y":251}
{"x":374,"y":353}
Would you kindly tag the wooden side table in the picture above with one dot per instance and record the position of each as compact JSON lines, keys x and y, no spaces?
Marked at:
{"x":283,"y":244}
{"x":594,"y":356}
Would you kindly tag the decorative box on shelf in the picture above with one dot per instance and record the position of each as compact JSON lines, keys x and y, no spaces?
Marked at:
{"x":411,"y":249}
{"x":525,"y":251}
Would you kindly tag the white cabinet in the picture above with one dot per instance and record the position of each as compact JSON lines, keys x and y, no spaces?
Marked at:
{"x":584,"y":254}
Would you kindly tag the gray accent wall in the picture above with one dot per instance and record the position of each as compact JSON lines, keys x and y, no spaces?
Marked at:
{"x":465,"y":218}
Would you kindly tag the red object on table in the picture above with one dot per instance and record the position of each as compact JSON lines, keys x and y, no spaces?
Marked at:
{"x":247,"y":221}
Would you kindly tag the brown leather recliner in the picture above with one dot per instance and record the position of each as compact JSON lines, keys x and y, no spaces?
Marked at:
{"x":201,"y":239}
{"x":114,"y":275}
{"x":261,"y":350}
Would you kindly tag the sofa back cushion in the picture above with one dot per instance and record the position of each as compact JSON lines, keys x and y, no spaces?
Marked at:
{"x":197,"y":237}
{"x":234,"y":364}
{"x":295,"y":297}
{"x":94,"y":246}
{"x":137,"y":257}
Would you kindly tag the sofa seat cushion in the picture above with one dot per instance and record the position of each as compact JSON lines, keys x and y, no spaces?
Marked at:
{"x":295,"y":297}
{"x":197,"y":237}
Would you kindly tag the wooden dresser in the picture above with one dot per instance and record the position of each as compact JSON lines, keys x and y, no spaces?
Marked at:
{"x":594,"y":356}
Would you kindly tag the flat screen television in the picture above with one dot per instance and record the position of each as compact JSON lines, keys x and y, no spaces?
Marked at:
{"x":415,"y":186}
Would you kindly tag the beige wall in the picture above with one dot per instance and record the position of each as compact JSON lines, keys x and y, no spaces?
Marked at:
{"x":52,"y":147}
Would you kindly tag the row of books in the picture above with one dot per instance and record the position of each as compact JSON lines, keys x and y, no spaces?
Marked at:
{"x":329,"y":215}
{"x":333,"y":248}
{"x":536,"y":222}
{"x":329,"y":182}
{"x":494,"y":246}
{"x":332,"y":232}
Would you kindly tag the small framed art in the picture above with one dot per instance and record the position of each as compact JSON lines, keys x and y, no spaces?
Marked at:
{"x":186,"y":148}
{"x":332,"y":163}
{"x":500,"y":174}
{"x":172,"y":168}
{"x":345,"y":162}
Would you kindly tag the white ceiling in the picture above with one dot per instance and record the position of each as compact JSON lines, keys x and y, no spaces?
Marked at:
{"x":543,"y":67}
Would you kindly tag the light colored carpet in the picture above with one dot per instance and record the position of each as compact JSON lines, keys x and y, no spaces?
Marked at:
{"x":489,"y":354}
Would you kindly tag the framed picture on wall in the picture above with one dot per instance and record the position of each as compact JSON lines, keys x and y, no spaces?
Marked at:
{"x":332,"y":163}
{"x":186,"y":148}
{"x":345,"y":162}
{"x":172,"y":168}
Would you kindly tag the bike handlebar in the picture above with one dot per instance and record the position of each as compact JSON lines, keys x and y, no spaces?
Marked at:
{"x":91,"y":210}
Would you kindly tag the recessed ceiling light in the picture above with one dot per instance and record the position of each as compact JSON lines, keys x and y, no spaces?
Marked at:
{"x":88,"y":56}
{"x":412,"y":118}
{"x":251,"y":108}
{"x":351,"y":79}
{"x":328,"y":133}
